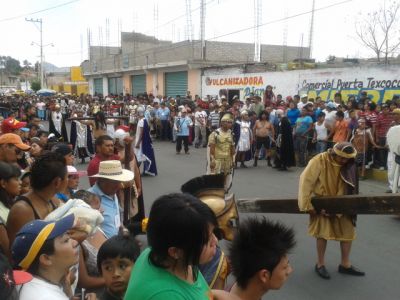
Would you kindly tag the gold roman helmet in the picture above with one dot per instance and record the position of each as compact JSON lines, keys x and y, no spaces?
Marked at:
{"x":227,"y":117}
{"x":210,"y":190}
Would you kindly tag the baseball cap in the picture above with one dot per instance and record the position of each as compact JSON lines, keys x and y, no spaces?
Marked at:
{"x":11,"y":124}
{"x":11,"y":138}
{"x":62,"y":148}
{"x":73,"y":171}
{"x":303,"y":96}
{"x":32,"y":236}
{"x":9,"y":278}
{"x":331,"y":105}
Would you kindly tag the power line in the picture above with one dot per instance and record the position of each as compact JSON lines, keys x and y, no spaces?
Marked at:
{"x":244,"y":29}
{"x":282,"y":19}
{"x":38,"y":11}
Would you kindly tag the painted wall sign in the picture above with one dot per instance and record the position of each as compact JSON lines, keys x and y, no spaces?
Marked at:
{"x":380,"y":83}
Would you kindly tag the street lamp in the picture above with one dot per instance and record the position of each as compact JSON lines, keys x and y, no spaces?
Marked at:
{"x":41,"y":47}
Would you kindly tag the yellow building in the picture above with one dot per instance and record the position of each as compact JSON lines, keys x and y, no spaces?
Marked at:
{"x":73,"y":83}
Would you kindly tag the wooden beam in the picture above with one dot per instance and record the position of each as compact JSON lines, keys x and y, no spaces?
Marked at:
{"x":385,"y":204}
{"x":92,"y":118}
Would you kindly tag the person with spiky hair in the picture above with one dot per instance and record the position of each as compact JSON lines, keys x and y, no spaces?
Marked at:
{"x":259,"y":257}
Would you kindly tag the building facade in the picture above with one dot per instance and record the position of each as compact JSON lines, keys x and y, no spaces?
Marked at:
{"x":145,"y":64}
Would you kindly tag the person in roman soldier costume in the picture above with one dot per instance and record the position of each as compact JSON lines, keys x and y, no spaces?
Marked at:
{"x":221,"y":150}
{"x":81,"y":138}
{"x":57,"y":124}
{"x":210,"y":189}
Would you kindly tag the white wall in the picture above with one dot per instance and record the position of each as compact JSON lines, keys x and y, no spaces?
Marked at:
{"x":381,"y":83}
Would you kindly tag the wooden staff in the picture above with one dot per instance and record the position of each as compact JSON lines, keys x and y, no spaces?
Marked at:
{"x":92,"y":118}
{"x":385,"y":204}
{"x":127,"y":189}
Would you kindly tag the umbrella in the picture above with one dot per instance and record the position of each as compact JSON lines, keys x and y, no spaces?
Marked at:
{"x":46,"y":92}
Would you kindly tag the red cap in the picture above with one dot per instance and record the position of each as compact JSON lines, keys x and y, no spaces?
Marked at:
{"x":11,"y":124}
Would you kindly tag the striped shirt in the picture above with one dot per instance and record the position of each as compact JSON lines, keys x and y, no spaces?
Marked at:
{"x":383,"y":124}
{"x":214,"y":119}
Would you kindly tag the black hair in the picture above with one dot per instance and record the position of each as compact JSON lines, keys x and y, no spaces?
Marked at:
{"x":182,"y":221}
{"x":259,"y":244}
{"x":100,"y":120}
{"x":48,"y":249}
{"x":42,"y":132}
{"x":121,"y":245}
{"x":264,"y":112}
{"x":46,"y":168}
{"x":101,"y":139}
{"x":321,"y":114}
{"x":84,"y":195}
{"x":340,"y":114}
{"x":372,"y":106}
{"x":7,"y":171}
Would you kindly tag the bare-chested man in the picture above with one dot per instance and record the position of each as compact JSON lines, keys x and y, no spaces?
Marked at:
{"x":264,"y":133}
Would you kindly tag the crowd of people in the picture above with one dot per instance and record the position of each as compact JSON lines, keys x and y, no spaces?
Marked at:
{"x":65,"y":242}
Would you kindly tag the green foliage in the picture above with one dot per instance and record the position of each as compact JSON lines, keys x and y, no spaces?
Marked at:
{"x":35,"y":85}
{"x":10,"y":65}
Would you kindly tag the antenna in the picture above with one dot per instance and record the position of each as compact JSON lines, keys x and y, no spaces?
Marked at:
{"x":310,"y":41}
{"x":89,"y":41}
{"x":155,"y":20}
{"x":257,"y":23}
{"x":81,"y":47}
{"x":189,"y":25}
{"x":119,"y":32}
{"x":107,"y":33}
{"x":285,"y":35}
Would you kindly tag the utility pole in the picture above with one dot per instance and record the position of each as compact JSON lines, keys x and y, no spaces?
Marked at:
{"x":41,"y":48}
{"x":203,"y":28}
{"x":310,"y":41}
{"x":257,"y":24}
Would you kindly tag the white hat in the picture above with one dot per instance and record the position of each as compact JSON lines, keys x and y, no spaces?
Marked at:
{"x":223,"y":97}
{"x":303,"y":96}
{"x":112,"y":169}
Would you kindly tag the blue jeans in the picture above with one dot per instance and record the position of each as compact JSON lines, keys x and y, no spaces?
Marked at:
{"x":321,"y":146}
{"x":301,"y":148}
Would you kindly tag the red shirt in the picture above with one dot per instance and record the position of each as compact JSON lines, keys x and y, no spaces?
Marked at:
{"x":383,"y":124}
{"x":93,"y":167}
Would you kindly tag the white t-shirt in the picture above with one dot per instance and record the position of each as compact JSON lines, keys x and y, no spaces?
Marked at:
{"x":200,"y":118}
{"x":322,"y":131}
{"x":39,"y":289}
{"x":41,"y":105}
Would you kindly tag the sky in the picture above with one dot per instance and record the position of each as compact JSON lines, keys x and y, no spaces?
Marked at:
{"x":65,"y":28}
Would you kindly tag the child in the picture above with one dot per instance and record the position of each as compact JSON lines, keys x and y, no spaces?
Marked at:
{"x":115,"y":261}
{"x":25,"y":183}
{"x":259,"y":256}
{"x":361,"y":139}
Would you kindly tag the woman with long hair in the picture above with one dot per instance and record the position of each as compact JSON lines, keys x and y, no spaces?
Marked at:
{"x":180,"y":236}
{"x":10,"y":186}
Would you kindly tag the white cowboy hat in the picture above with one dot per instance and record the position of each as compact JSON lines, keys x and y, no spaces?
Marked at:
{"x":112,"y":169}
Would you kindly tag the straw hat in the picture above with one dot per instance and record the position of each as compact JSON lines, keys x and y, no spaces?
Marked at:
{"x":112,"y":169}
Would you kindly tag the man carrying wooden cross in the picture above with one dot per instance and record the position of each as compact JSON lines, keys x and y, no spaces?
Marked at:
{"x":331,"y":173}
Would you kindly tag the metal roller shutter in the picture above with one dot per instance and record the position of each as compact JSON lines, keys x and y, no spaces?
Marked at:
{"x":98,"y":86}
{"x":176,"y":83}
{"x":115,"y":85}
{"x":138,"y":84}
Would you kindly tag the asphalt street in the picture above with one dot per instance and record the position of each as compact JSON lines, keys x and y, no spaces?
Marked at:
{"x":376,"y":249}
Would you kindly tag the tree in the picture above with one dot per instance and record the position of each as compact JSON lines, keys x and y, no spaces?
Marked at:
{"x":10,"y":65}
{"x":35,"y":85}
{"x":27,"y":65}
{"x":379,"y":31}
